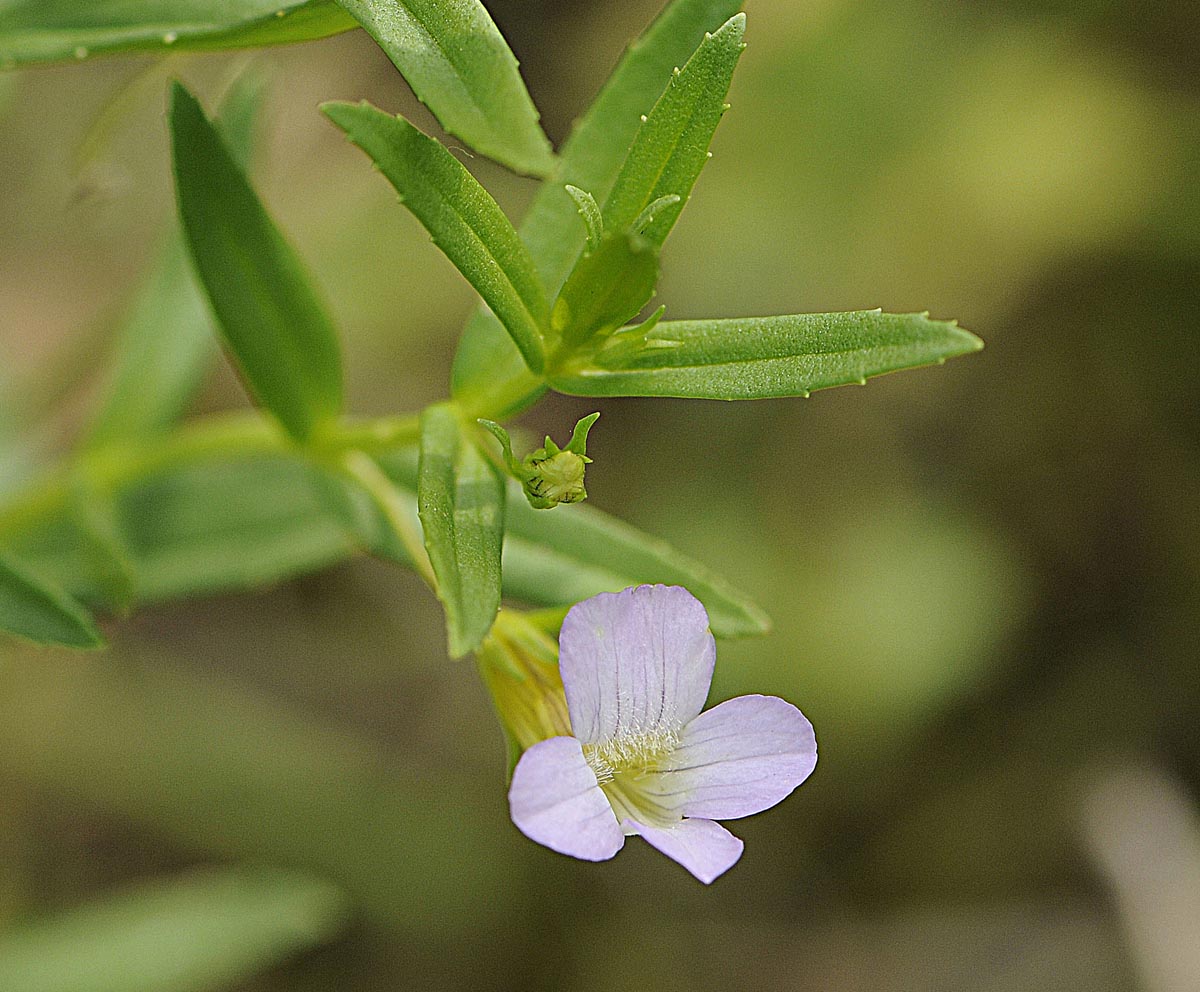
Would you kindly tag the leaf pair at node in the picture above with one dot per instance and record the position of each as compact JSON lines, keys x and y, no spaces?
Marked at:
{"x":613,"y":280}
{"x":614,"y":277}
{"x":610,"y":275}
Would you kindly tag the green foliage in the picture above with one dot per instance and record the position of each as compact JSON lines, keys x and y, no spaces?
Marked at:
{"x":226,"y":525}
{"x":464,"y":220}
{"x":671,"y":146}
{"x":270,"y":318}
{"x":193,"y":933}
{"x":163,"y":349}
{"x":608,"y":287}
{"x":204,"y":521}
{"x":58,"y":30}
{"x":198,"y":525}
{"x":558,"y":558}
{"x":460,"y":498}
{"x":761,"y":357}
{"x":450,"y":51}
{"x":612,"y":282}
{"x":486,"y":365}
{"x":165,"y":342}
{"x":102,"y":550}
{"x":35,"y":609}
{"x":458,"y":63}
{"x":232,"y":506}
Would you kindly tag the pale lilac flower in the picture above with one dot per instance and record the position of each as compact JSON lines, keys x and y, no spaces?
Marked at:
{"x":636,"y":666}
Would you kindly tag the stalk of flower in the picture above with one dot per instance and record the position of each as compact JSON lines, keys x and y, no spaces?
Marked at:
{"x":641,"y":758}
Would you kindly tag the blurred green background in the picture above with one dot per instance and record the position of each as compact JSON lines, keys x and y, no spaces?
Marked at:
{"x":984,"y":578}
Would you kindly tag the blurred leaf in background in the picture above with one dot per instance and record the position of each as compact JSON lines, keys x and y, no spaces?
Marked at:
{"x":37,"y":610}
{"x":33,"y":31}
{"x":199,"y":932}
{"x":218,"y":768}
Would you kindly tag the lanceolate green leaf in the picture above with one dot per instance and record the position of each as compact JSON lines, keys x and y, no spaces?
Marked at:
{"x":271,"y":319}
{"x":210,"y":524}
{"x":605,"y":288}
{"x":450,"y":51}
{"x":57,"y":30}
{"x":464,"y":220}
{"x":217,"y":523}
{"x":458,"y":64}
{"x":487,"y":366}
{"x":166,"y":342}
{"x":559,"y":558}
{"x":671,"y":146}
{"x":32,"y":608}
{"x":758,"y":357}
{"x":210,"y":929}
{"x":460,"y":497}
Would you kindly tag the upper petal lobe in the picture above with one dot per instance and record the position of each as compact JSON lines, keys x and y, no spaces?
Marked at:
{"x":635,"y":661}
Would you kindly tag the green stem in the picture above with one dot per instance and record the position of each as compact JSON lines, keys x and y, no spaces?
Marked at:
{"x":236,"y":434}
{"x":376,"y":436}
{"x":367,"y":473}
{"x":503,"y":400}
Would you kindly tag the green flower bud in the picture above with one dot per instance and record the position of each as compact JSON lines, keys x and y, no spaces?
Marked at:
{"x":555,"y":476}
{"x":550,"y":475}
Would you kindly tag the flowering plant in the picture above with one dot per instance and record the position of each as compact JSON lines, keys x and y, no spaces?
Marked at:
{"x":607,"y":738}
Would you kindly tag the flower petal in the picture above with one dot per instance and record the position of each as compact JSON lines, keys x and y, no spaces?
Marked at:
{"x":554,"y":800}
{"x":703,"y":847}
{"x":740,"y":757}
{"x":635,"y":661}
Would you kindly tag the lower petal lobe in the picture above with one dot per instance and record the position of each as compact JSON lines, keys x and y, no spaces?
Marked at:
{"x":555,"y":800}
{"x":739,"y":758}
{"x":703,"y":847}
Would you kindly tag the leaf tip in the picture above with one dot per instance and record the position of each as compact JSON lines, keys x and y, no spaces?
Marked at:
{"x":734,"y":28}
{"x":338,"y":110}
{"x":971,"y":342}
{"x":750,"y":621}
{"x":181,"y":100}
{"x":964,"y":342}
{"x":92,"y":640}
